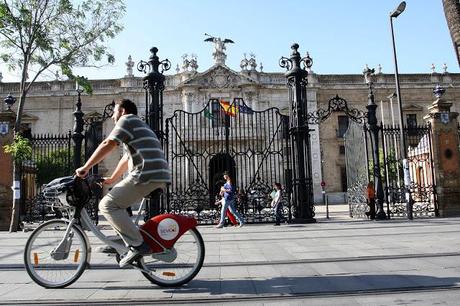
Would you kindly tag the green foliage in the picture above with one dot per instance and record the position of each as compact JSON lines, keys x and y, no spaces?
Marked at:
{"x":40,"y":35}
{"x":53,"y":165}
{"x":391,"y":161}
{"x":20,"y":149}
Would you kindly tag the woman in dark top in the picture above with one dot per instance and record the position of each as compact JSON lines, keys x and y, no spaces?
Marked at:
{"x":229,"y":202}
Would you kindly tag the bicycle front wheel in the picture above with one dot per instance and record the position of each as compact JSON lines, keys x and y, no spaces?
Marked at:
{"x":52,"y":261}
{"x":180,"y":267}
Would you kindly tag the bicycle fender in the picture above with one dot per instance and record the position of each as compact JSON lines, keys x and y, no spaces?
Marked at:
{"x":166,"y":229}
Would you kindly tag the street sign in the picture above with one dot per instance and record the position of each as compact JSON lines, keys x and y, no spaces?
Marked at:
{"x":323,"y":183}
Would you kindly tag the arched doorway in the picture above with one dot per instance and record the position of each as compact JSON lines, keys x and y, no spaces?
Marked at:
{"x":217,"y":165}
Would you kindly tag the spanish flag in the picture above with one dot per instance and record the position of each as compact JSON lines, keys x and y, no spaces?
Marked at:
{"x":228,"y":109}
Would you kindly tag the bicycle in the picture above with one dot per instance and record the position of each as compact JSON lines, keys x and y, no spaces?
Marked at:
{"x":58,"y":251}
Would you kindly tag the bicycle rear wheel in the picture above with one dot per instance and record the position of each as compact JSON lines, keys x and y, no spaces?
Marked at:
{"x":185,"y":263}
{"x":51,"y":268}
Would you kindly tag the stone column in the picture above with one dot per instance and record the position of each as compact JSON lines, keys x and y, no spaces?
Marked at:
{"x":7,"y":119}
{"x":316,"y":156}
{"x":187,"y":101}
{"x":446,"y":155}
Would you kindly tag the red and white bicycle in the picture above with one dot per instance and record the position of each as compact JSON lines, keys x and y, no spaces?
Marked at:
{"x":58,"y":251}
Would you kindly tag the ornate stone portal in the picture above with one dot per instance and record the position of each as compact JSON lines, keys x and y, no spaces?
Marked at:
{"x":446,"y":154}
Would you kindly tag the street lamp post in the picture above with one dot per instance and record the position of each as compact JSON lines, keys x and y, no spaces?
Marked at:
{"x":374,"y":128}
{"x":77,"y":135}
{"x":394,"y":14}
{"x":9,"y":101}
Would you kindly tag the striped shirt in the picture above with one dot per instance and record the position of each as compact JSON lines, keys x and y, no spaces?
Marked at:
{"x":144,"y":150}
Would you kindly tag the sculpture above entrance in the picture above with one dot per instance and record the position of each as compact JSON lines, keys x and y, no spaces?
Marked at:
{"x":219,"y":47}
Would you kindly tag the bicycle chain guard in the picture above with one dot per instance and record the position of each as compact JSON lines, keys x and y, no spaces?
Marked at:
{"x":165,"y":230}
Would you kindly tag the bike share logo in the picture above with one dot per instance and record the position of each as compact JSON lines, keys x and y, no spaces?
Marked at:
{"x":168,"y":229}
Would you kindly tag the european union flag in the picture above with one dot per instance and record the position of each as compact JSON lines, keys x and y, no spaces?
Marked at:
{"x":243,"y":108}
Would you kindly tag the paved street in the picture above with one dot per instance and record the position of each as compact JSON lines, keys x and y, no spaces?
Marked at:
{"x":337,"y":261}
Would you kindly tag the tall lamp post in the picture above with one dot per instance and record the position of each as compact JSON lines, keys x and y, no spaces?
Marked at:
{"x":394,"y":14}
{"x":9,"y":101}
{"x":374,"y":128}
{"x":77,"y":135}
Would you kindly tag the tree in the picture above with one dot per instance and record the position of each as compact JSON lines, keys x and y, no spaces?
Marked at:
{"x":452,"y":12}
{"x":39,"y":35}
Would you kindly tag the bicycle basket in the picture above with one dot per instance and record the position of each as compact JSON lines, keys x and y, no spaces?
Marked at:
{"x":79,"y":193}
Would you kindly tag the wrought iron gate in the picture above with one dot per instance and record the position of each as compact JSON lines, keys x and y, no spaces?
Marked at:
{"x":420,"y":158}
{"x":356,"y":157}
{"x":94,"y":131}
{"x":251,"y":145}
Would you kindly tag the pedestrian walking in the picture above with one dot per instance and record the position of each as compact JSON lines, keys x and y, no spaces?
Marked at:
{"x":371,"y":200}
{"x":277,"y":204}
{"x":231,"y":218}
{"x":228,"y":201}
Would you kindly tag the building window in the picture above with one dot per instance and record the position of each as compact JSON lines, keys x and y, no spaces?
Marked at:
{"x":343,"y":176}
{"x":411,"y":120}
{"x":342,"y":150}
{"x":343,"y":126}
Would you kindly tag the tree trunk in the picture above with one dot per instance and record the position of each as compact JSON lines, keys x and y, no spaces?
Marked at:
{"x":14,"y":224}
{"x":452,"y":12}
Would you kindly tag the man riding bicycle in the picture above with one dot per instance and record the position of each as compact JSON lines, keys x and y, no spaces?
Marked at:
{"x":148,"y":170}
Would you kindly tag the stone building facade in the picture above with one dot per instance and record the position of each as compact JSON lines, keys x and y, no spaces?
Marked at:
{"x":50,"y":105}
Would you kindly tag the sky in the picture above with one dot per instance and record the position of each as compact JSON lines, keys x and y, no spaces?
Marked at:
{"x":342,"y":36}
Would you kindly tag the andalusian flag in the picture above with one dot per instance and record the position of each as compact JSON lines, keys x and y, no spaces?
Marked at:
{"x":228,"y":109}
{"x":208,"y":114}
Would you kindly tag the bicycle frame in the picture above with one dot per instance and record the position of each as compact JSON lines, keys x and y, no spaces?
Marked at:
{"x":86,"y":221}
{"x":88,"y":224}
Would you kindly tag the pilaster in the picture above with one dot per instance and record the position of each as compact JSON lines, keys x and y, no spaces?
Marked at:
{"x":446,"y":155}
{"x":7,"y":119}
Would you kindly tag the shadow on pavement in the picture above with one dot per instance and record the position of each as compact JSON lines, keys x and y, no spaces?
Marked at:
{"x":313,"y":284}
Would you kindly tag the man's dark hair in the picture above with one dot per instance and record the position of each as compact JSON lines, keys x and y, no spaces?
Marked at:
{"x":278,"y":185}
{"x":128,"y":106}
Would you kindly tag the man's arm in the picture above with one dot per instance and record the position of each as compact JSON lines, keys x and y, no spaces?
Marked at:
{"x":121,"y":168}
{"x":100,"y":154}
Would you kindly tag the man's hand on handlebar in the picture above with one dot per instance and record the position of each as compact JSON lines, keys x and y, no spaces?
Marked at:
{"x":81,"y":172}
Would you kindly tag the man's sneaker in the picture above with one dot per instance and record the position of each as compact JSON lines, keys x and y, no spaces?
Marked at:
{"x":241,"y":224}
{"x":135,"y":253}
{"x":219,"y":226}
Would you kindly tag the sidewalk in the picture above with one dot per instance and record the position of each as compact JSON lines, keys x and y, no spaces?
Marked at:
{"x":337,"y":261}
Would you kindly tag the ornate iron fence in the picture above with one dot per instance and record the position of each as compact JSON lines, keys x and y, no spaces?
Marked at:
{"x":52,"y":157}
{"x":420,"y":158}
